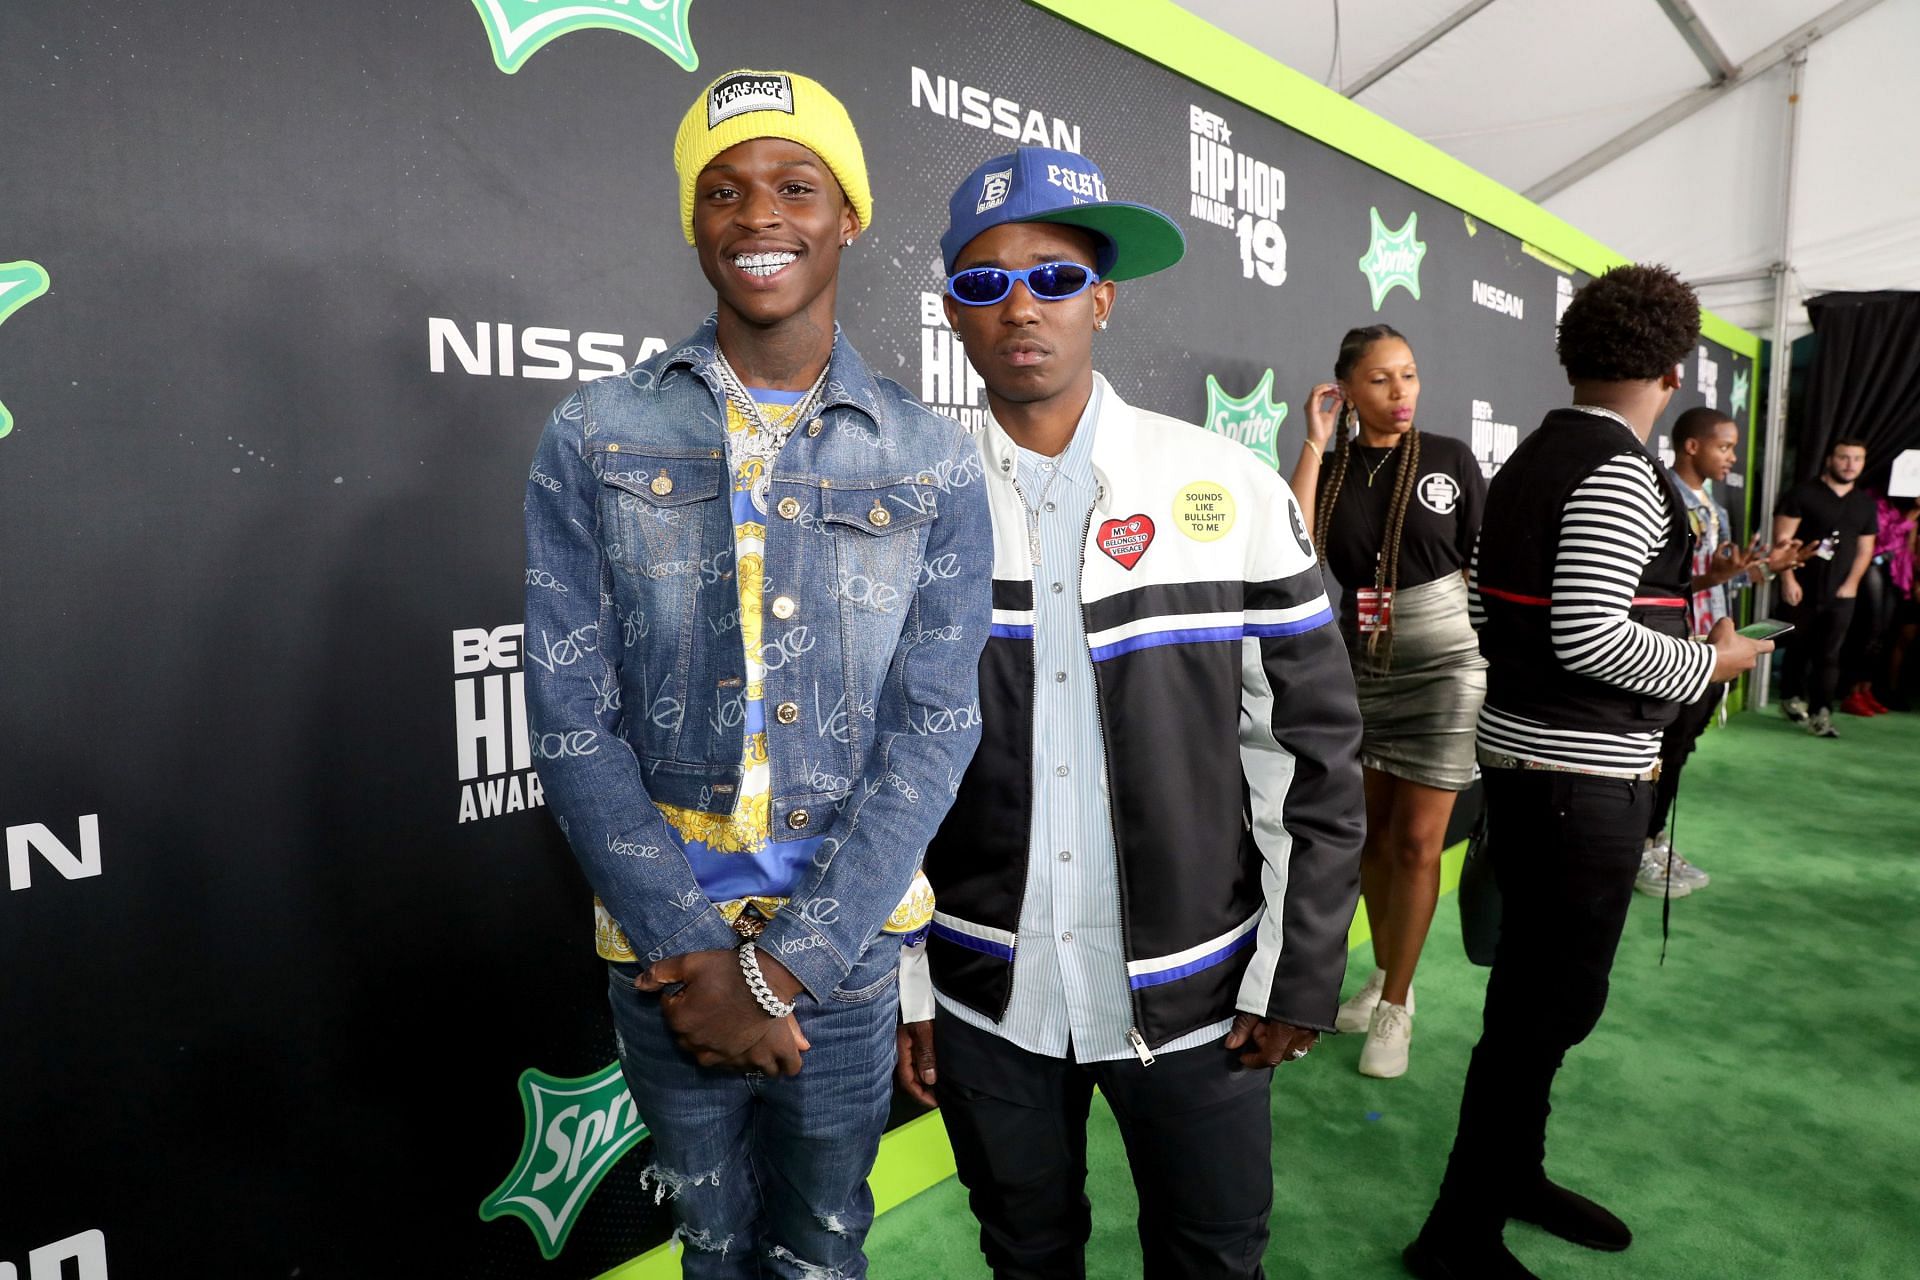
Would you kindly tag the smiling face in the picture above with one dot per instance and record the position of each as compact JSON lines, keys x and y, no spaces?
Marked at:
{"x":1026,"y":349}
{"x":1384,"y":388}
{"x":768,"y":223}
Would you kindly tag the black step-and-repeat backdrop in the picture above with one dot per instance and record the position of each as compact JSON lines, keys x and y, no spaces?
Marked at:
{"x":298,"y":975}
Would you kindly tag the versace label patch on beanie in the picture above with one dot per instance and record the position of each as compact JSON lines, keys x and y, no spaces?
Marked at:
{"x":743,"y":105}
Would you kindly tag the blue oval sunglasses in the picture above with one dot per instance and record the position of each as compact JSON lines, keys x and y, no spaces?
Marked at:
{"x":1049,"y":282}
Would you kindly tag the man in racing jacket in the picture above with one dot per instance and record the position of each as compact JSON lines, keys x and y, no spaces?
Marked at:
{"x":1146,"y":879}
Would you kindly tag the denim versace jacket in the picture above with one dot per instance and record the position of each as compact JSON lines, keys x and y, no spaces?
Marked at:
{"x":877,"y":601}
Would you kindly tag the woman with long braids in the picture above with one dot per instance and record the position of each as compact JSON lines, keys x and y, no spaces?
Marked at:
{"x":1394,"y":513}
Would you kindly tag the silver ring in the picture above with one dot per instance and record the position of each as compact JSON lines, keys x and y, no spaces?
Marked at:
{"x":1296,"y":1055}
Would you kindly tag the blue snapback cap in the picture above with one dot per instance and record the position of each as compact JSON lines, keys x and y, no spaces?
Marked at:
{"x":1040,"y":184}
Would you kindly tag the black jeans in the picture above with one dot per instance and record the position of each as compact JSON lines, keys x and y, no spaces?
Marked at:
{"x":1812,"y":668}
{"x":1198,"y":1133}
{"x":1675,"y":746}
{"x":1565,"y":848}
{"x":1864,"y":656}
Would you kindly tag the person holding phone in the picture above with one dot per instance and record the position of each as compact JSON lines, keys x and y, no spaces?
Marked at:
{"x":1705,"y":444}
{"x":1394,"y":513}
{"x":1579,"y":588}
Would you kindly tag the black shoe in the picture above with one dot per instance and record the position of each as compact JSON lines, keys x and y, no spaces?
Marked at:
{"x":1572,"y":1217}
{"x":1437,"y":1257}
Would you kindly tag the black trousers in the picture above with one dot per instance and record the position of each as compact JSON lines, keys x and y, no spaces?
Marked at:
{"x":1864,"y":655}
{"x":1198,"y":1133}
{"x":1676,"y":744}
{"x":1565,"y":848}
{"x":1812,"y":669}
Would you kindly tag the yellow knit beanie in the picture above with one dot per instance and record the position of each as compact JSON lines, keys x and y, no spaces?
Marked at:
{"x":743,"y":105}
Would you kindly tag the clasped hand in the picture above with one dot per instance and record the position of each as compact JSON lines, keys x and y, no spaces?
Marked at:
{"x":715,"y":1019}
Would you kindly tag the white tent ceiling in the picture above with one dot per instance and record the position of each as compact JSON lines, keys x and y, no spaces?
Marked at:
{"x":1523,"y":89}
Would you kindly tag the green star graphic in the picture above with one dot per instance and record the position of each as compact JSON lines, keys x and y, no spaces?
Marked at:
{"x":1393,"y":259}
{"x":576,"y":1130}
{"x":1737,"y":405}
{"x":1254,"y":420}
{"x":520,"y":28}
{"x":20,"y":283}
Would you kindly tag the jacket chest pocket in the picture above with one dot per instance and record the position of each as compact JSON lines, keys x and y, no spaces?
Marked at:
{"x":879,"y":534}
{"x":653,"y":509}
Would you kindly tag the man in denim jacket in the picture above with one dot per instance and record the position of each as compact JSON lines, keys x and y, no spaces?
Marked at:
{"x":758,"y":591}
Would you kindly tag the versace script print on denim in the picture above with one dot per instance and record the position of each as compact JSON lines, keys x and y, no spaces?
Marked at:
{"x":733,"y":854}
{"x":875,"y":602}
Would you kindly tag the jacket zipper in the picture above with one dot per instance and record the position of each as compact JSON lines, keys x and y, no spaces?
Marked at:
{"x":1134,"y":1037}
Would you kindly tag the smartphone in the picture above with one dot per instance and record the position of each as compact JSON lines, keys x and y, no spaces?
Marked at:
{"x":1766,"y":629}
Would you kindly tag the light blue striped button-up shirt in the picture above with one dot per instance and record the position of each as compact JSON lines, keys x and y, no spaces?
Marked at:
{"x":1070,"y":986}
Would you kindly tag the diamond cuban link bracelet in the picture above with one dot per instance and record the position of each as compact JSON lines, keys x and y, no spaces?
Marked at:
{"x":757,"y":983}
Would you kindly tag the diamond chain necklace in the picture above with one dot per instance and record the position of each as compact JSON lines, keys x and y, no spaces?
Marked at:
{"x":765,"y":437}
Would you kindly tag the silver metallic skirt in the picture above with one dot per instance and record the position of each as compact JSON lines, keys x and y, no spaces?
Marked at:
{"x":1421,"y":688}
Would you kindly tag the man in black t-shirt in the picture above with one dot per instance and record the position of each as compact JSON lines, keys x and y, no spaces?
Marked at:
{"x":1819,"y":597}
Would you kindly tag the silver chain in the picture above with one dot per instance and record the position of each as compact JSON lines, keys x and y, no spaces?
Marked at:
{"x":772,"y":1005}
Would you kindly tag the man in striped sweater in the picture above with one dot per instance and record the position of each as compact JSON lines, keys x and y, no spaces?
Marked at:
{"x":1579,"y":587}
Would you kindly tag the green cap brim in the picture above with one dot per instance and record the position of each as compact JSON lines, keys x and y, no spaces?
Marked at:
{"x":1144,"y":240}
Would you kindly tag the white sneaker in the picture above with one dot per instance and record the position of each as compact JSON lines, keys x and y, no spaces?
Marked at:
{"x":1820,"y":724}
{"x":1651,"y":879}
{"x":1684,"y":872}
{"x":1356,"y":1015}
{"x":1388,"y":1035}
{"x":1795,"y":709}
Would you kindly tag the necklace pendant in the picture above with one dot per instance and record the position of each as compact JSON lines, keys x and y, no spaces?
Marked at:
{"x":1033,"y":547}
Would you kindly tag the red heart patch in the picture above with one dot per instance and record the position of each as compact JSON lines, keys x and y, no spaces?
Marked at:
{"x":1126,"y":540}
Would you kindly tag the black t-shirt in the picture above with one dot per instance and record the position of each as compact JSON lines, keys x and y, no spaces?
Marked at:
{"x":1824,"y":513}
{"x":1442,"y":518}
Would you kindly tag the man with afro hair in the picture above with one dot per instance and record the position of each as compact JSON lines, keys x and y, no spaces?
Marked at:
{"x":1579,"y":587}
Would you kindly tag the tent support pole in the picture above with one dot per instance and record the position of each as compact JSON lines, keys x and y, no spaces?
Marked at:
{"x":1782,"y":354}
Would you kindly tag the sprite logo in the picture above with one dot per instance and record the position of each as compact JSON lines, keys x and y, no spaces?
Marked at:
{"x":576,"y":1131}
{"x":20,"y":283}
{"x":521,"y":28}
{"x":1393,"y":259}
{"x":1254,"y":421}
{"x":1737,"y":404}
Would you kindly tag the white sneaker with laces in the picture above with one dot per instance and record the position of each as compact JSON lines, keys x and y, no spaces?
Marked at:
{"x":1651,"y":879}
{"x":1795,"y":709}
{"x":1356,"y":1014}
{"x":1389,"y":1034}
{"x":1686,"y":873}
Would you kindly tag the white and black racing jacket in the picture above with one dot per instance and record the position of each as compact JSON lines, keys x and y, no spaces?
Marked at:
{"x":1231,"y":732}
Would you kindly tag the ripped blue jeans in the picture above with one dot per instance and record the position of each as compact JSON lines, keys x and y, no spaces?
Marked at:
{"x":769,"y":1177}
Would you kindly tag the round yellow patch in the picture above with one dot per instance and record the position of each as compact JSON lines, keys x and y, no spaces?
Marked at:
{"x":1203,"y":511}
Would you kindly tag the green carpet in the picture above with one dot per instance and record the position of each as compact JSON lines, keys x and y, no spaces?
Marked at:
{"x":1750,"y":1109}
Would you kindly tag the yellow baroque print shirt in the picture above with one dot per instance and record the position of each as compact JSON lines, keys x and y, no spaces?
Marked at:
{"x":732,"y":854}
